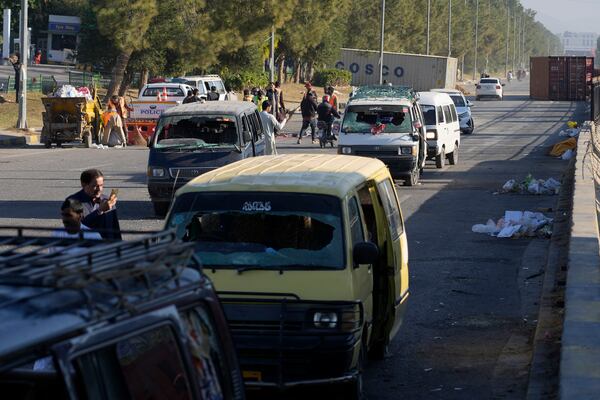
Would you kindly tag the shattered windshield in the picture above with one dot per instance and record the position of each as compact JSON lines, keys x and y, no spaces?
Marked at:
{"x":261,"y":230}
{"x":377,"y":119}
{"x":197,"y":131}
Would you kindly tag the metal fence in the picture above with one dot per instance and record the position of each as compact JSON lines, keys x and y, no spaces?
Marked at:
{"x":595,"y":98}
{"x":38,"y":83}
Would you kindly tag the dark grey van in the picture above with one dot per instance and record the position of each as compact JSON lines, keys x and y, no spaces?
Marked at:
{"x":195,"y":138}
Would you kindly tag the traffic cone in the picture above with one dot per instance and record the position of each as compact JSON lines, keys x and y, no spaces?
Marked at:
{"x":164,"y":94}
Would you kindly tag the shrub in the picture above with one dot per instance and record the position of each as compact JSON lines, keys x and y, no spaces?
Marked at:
{"x":333,"y":77}
{"x":245,"y":79}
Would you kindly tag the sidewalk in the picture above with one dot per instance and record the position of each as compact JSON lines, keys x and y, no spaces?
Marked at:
{"x":580,"y":352}
{"x":14,"y":138}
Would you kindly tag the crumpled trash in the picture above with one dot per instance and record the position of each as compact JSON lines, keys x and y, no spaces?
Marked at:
{"x":567,"y":155}
{"x":516,"y":224}
{"x":532,"y":185}
{"x":98,"y":146}
{"x":561,"y":147}
{"x":70,"y":91}
{"x":571,"y":132}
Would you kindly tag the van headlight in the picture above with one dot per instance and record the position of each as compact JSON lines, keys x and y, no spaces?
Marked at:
{"x":346,"y":150}
{"x":156,"y":172}
{"x":431,"y":135}
{"x":325,"y":319}
{"x":405,"y":151}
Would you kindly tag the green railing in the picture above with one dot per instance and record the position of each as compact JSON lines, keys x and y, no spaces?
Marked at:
{"x":37,"y":83}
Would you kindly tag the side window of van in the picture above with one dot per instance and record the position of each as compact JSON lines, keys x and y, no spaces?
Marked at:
{"x":390,"y":204}
{"x":440,"y":115}
{"x":356,"y":228}
{"x":447,"y":114}
{"x":257,"y":121}
{"x":454,"y":114}
{"x":247,"y":125}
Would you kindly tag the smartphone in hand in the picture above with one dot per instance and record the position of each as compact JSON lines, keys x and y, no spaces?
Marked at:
{"x":113,"y":193}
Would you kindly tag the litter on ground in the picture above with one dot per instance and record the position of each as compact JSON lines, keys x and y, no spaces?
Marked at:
{"x":517,"y":224}
{"x":561,"y":147}
{"x":531,"y":185}
{"x":571,"y":132}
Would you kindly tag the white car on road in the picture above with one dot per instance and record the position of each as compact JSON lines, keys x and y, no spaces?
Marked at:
{"x":463,"y":108}
{"x":489,"y":87}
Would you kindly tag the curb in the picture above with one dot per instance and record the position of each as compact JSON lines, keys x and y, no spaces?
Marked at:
{"x":19,"y":140}
{"x":580,"y":352}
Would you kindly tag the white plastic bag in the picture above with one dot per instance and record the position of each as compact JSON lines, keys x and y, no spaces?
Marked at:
{"x":489,"y":228}
{"x":567,"y":155}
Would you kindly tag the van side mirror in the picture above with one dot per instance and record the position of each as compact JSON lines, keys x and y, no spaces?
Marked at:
{"x":365,"y":253}
{"x":247,"y":136}
{"x":469,"y":104}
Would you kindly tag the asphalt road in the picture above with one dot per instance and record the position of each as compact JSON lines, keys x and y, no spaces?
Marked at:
{"x":473,"y":300}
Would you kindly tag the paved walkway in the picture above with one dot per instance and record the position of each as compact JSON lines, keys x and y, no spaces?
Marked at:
{"x":580,"y":353}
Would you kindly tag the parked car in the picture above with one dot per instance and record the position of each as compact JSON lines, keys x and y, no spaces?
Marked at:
{"x":174,"y":91}
{"x":489,"y":87}
{"x":122,"y":320}
{"x":385,"y":122}
{"x":442,"y":127}
{"x":195,"y":138}
{"x":309,"y":256}
{"x":463,"y":108}
{"x":203,"y":83}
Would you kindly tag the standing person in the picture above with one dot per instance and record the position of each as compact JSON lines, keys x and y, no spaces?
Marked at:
{"x":326,"y":115}
{"x":71,"y":212}
{"x":509,"y":76}
{"x":333,"y":100}
{"x":247,"y":95}
{"x":308,"y":109}
{"x":38,"y":57}
{"x":259,"y":99}
{"x":213,"y":95}
{"x":15,"y":61}
{"x":193,"y":98}
{"x":113,"y":126}
{"x":281,"y":109}
{"x":188,"y":97}
{"x":99,"y":211}
{"x":122,"y":109}
{"x":271,"y":126}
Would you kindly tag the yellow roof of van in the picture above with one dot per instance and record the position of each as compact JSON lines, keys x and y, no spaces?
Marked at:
{"x":328,"y":174}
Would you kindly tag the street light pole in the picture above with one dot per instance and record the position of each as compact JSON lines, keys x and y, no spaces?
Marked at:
{"x":428,"y":23}
{"x":272,"y":56}
{"x":381,"y":45}
{"x":476,"y":38}
{"x":24,"y":47}
{"x":514,"y":57}
{"x":507,"y":36}
{"x":449,"y":28}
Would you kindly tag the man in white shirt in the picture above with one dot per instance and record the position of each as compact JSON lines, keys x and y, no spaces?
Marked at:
{"x":271,"y":126}
{"x":72,"y":214}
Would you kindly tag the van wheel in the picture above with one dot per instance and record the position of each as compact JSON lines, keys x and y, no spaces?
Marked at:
{"x":413,"y":179}
{"x":440,"y":159}
{"x":48,"y":143}
{"x":160,"y":208}
{"x":453,"y":157}
{"x":354,"y":389}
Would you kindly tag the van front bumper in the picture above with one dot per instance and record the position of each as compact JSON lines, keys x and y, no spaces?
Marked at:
{"x":163,"y":190}
{"x":279,"y":346}
{"x":399,"y":164}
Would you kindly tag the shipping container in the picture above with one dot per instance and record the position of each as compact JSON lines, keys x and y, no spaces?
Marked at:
{"x":561,"y":78}
{"x":421,"y":72}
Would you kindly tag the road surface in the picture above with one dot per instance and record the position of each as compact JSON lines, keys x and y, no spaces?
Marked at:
{"x":473,"y":300}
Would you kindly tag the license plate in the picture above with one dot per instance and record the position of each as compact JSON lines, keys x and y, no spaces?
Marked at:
{"x":252,"y":375}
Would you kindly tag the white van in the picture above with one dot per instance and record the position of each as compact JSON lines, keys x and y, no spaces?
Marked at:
{"x":204,"y":82}
{"x":385,"y":122}
{"x":174,"y":91}
{"x":442,"y":127}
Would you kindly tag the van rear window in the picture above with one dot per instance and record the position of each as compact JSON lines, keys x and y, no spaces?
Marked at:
{"x":171,"y":91}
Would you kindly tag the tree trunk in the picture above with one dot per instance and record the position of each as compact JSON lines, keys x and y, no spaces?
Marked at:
{"x":297,"y":72}
{"x":118,"y":72}
{"x":145,"y":76}
{"x":310,"y":71}
{"x":127,"y":79}
{"x":281,"y":69}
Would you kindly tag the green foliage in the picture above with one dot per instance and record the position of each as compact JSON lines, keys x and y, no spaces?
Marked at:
{"x":244,"y":79}
{"x":333,"y":77}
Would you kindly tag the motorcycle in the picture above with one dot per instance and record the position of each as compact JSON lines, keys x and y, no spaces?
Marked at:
{"x":326,"y":134}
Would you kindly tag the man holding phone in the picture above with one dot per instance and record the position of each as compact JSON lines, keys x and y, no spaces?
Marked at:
{"x":99,"y":210}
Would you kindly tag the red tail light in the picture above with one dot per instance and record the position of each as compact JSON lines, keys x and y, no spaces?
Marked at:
{"x":478,"y":86}
{"x":498,"y":87}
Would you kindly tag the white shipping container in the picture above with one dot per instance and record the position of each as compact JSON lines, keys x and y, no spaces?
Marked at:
{"x":421,"y":72}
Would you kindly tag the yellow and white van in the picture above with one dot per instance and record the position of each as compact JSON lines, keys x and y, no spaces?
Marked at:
{"x":308,"y":254}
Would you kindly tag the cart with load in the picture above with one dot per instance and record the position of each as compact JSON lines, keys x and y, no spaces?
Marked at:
{"x":75,"y":117}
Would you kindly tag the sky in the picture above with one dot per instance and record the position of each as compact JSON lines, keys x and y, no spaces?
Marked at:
{"x":567,"y":15}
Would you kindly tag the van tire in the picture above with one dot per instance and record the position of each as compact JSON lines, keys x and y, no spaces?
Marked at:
{"x":413,"y":179}
{"x":453,"y":157}
{"x":355,"y":390}
{"x":440,"y":159}
{"x":160,"y":208}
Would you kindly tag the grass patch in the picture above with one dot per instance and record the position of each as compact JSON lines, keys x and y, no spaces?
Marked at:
{"x":9,"y":111}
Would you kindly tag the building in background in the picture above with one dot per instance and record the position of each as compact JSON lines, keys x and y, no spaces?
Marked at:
{"x":60,"y":46}
{"x":579,"y":43}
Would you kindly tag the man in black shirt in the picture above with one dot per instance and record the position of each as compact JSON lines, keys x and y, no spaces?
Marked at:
{"x":99,"y":211}
{"x":212,"y":95}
